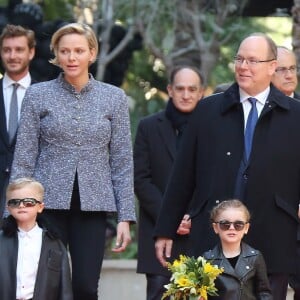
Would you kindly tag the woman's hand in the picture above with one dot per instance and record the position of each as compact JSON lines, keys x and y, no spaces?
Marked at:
{"x":123,"y":236}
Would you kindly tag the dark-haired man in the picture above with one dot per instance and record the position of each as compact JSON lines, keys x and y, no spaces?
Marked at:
{"x":17,"y":49}
{"x":157,"y":140}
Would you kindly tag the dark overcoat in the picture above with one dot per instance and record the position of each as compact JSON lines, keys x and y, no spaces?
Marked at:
{"x":208,"y":164}
{"x":154,"y":155}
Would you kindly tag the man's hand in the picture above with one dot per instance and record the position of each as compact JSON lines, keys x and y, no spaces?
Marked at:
{"x":185,"y":225}
{"x":163,"y":248}
{"x":123,"y":237}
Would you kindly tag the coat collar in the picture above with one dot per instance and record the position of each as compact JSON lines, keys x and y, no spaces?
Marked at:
{"x":275,"y":98}
{"x":242,"y":266}
{"x":167,"y":132}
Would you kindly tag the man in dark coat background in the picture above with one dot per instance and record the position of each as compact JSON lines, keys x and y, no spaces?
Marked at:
{"x":286,"y":80}
{"x":211,"y":164}
{"x":156,"y":144}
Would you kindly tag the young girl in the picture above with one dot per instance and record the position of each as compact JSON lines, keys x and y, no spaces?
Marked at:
{"x":245,"y":275}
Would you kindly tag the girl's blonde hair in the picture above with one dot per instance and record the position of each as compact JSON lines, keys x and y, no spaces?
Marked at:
{"x":233,"y":203}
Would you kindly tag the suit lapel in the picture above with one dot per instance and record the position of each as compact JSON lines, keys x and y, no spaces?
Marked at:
{"x":3,"y":128}
{"x":167,"y":133}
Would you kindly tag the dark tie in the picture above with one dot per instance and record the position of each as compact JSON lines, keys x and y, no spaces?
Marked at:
{"x":13,"y":114}
{"x":250,"y":127}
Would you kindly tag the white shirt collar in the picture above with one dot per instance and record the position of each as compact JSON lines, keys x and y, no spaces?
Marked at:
{"x":35,"y":231}
{"x":261,"y":97}
{"x":24,"y":82}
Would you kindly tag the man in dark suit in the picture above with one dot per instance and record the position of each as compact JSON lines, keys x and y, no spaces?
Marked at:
{"x":214,"y":165}
{"x":158,"y":137}
{"x":286,"y":80}
{"x":17,"y":48}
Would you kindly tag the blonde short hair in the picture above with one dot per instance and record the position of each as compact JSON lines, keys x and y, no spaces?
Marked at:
{"x":24,"y":182}
{"x":77,"y":28}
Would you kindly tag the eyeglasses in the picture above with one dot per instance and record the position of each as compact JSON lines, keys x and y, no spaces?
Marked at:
{"x":284,"y":70}
{"x":238,"y":60}
{"x":225,"y":225}
{"x":27,"y":202}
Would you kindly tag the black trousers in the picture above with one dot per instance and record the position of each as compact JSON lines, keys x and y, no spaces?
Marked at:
{"x":84,"y":235}
{"x":279,"y":285}
{"x":294,"y":279}
{"x":155,"y":286}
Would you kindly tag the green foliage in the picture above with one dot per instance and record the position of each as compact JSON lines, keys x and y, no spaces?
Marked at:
{"x":146,"y":84}
{"x":58,"y":9}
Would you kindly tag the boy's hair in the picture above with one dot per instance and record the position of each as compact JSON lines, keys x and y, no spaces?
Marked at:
{"x":24,"y":182}
{"x":11,"y":31}
{"x":233,"y":203}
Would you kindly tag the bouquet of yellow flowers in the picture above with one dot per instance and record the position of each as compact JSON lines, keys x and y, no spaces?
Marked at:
{"x":192,"y":279}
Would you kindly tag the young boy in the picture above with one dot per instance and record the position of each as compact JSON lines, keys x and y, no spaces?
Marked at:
{"x":33,"y":263}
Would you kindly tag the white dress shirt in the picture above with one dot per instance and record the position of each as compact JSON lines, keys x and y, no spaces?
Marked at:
{"x":261,"y":100}
{"x":24,"y":83}
{"x":30,"y":244}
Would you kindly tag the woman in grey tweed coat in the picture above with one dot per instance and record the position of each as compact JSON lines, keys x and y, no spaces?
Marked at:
{"x":74,"y":137}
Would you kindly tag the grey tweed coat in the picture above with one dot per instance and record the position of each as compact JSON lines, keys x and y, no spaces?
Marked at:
{"x":63,"y":131}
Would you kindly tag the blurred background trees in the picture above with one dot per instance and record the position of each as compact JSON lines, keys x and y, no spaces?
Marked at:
{"x":140,"y":40}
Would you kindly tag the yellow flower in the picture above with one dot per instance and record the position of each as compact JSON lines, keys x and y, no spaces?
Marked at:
{"x":203,"y":292}
{"x":176,"y":263}
{"x":192,"y":278}
{"x":213,"y":271}
{"x":183,"y":281}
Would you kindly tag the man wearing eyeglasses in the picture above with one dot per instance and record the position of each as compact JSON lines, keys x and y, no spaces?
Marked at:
{"x":285,"y":79}
{"x":285,"y":76}
{"x":243,"y":143}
